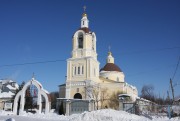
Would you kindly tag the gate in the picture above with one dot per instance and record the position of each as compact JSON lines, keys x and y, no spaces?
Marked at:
{"x":129,"y":107}
{"x":79,"y":106}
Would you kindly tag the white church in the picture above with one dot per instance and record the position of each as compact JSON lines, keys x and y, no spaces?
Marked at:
{"x":85,"y":80}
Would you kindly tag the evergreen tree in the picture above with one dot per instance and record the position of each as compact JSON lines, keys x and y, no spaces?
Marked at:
{"x":61,"y":109}
{"x":20,"y":88}
{"x":21,"y":85}
{"x":28,"y":99}
{"x":54,"y":96}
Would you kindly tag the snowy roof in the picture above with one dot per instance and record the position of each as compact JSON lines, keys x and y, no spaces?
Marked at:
{"x":124,"y":95}
{"x":7,"y":81}
{"x":10,"y":87}
{"x":145,"y":100}
{"x":177,"y":99}
{"x":133,"y":87}
{"x":16,"y":86}
{"x":6,"y":95}
{"x":4,"y":81}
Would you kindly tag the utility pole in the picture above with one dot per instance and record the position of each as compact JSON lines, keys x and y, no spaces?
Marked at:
{"x":172,"y":89}
{"x":168,"y":95}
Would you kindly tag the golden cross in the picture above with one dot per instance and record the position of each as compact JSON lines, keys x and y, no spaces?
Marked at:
{"x":109,"y":48}
{"x":84,"y":8}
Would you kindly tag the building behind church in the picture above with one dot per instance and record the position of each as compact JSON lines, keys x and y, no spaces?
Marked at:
{"x":8,"y":90}
{"x":84,"y":78}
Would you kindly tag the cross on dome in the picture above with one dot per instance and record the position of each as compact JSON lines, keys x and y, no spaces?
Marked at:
{"x":84,"y":9}
{"x":109,"y":53}
{"x":84,"y":20}
{"x":109,"y":48}
{"x":84,"y":14}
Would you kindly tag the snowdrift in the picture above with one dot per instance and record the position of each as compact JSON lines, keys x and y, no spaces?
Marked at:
{"x":99,"y":115}
{"x":107,"y":115}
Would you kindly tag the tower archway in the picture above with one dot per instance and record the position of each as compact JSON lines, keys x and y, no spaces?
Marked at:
{"x":80,"y":40}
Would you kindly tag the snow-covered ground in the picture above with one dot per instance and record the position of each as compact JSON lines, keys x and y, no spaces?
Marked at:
{"x":99,"y":115}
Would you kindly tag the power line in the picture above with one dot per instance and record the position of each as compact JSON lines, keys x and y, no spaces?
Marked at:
{"x":30,"y":63}
{"x":151,"y":50}
{"x":171,"y":83}
{"x":176,"y":68}
{"x":52,"y":61}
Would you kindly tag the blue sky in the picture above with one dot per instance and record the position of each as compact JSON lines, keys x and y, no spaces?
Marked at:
{"x":144,"y":36}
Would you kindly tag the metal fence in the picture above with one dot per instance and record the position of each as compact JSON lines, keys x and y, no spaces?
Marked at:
{"x":152,"y":109}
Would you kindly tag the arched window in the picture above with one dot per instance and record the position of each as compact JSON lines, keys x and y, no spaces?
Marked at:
{"x":75,"y":70}
{"x":80,"y":40}
{"x":82,"y":69}
{"x":77,"y":96}
{"x":78,"y":70}
{"x":92,"y":44}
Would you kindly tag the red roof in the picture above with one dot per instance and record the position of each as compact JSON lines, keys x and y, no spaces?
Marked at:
{"x":85,"y":29}
{"x":111,"y":67}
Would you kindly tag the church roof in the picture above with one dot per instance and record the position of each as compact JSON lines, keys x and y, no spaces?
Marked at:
{"x":85,"y":29}
{"x":111,"y":67}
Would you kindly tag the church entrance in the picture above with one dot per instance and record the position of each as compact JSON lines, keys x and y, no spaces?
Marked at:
{"x":77,"y":96}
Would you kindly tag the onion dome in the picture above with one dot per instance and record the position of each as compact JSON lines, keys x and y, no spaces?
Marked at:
{"x":110,"y":66}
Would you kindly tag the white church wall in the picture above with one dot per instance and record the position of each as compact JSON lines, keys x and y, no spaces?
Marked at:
{"x":113,"y":75}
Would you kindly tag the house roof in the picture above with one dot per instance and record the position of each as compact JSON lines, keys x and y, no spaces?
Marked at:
{"x":10,"y":87}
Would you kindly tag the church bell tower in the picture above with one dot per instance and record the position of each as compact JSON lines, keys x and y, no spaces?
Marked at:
{"x":83,"y":66}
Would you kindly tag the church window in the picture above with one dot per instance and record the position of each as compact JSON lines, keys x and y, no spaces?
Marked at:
{"x":92,"y":45}
{"x":75,"y":70}
{"x":82,"y":69}
{"x":83,"y":22}
{"x":77,"y":89}
{"x":13,"y":84}
{"x":79,"y":70}
{"x":80,"y":41}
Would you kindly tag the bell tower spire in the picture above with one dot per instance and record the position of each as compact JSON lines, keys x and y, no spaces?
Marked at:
{"x":84,"y":20}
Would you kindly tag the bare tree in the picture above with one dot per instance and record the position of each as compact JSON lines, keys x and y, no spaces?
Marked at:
{"x":147,"y":92}
{"x":93,"y":92}
{"x":104,"y":97}
{"x":114,"y":100}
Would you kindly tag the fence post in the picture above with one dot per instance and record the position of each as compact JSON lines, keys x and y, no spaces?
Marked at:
{"x":91,"y":105}
{"x":169,"y":112}
{"x":68,"y":107}
{"x":121,"y":107}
